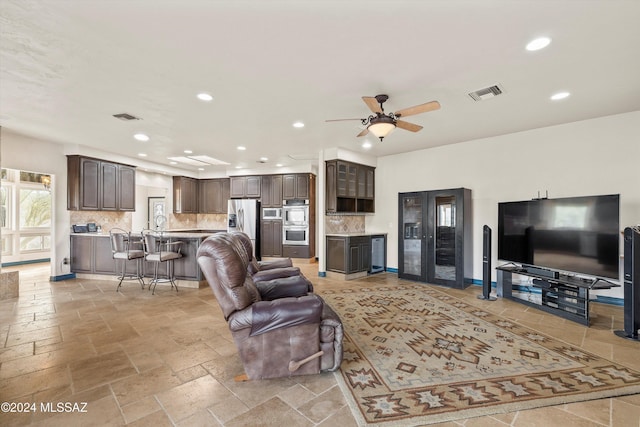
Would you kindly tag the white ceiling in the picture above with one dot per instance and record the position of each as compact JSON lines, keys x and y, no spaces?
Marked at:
{"x":68,"y":65}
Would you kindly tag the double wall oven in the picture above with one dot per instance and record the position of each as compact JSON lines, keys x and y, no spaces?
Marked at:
{"x":295,"y":222}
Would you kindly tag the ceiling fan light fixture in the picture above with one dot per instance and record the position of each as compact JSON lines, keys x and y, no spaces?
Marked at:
{"x":381,"y":126}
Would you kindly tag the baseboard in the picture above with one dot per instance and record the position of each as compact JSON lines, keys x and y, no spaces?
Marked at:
{"x":322,"y":274}
{"x":609,"y":300}
{"x":32,"y":261}
{"x":62,"y":277}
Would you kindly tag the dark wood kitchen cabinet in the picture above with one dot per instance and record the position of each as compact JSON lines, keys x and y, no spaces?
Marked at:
{"x":185,"y":195}
{"x":297,"y":186}
{"x":213,"y":195}
{"x":271,"y":238}
{"x":350,"y":187}
{"x":126,"y":188}
{"x":349,"y":254}
{"x":92,"y":255}
{"x":246,"y":187}
{"x":271,"y":194}
{"x":98,"y":185}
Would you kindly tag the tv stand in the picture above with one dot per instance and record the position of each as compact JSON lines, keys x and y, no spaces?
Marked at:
{"x":561,"y":294}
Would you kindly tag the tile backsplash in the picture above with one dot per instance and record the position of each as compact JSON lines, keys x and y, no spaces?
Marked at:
{"x":105,"y":219}
{"x":344,"y":224}
{"x":212,"y":221}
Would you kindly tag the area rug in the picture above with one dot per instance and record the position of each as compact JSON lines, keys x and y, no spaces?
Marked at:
{"x":414,"y":355}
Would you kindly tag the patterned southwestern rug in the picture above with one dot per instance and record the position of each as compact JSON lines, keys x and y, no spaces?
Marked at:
{"x":414,"y":355}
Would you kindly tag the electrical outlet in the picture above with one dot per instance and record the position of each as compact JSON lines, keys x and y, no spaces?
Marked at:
{"x":65,"y":261}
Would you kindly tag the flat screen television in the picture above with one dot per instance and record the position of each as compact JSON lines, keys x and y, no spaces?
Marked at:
{"x":574,"y":234}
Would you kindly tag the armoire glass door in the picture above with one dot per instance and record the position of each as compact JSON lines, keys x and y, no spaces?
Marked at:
{"x":442,"y":237}
{"x":412,"y":207}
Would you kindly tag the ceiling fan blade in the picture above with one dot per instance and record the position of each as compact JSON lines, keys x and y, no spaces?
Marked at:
{"x":417,"y":109}
{"x":363,"y":133}
{"x":340,"y":120}
{"x":372,"y":103}
{"x":408,"y":126}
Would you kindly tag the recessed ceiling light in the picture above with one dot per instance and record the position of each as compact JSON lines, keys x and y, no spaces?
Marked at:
{"x":298,"y":125}
{"x":204,"y":97}
{"x":142,"y":154}
{"x":173,"y":163}
{"x":141,"y":137}
{"x":560,"y":95}
{"x":238,"y":167}
{"x":264,"y":159}
{"x":539,"y":43}
{"x":200,"y":169}
{"x":188,"y":151}
{"x":241,"y":148}
{"x":366,"y":144}
{"x":279,"y":165}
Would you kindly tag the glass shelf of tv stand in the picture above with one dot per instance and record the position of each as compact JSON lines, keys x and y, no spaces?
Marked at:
{"x":561,"y":278}
{"x":562,"y":295}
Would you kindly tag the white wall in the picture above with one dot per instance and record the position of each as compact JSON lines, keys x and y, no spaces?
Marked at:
{"x":598,"y":156}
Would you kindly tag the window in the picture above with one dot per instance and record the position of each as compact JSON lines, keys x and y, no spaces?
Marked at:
{"x":25,"y":215}
{"x":35,"y":208}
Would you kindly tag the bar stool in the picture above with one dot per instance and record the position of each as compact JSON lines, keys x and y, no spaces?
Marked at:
{"x":126,"y":248}
{"x":159,"y":249}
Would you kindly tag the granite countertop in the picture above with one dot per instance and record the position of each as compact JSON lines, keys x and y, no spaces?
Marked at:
{"x":355,"y":234}
{"x":183,"y":234}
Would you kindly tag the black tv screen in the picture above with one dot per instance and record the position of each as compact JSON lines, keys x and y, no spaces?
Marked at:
{"x":574,"y":234}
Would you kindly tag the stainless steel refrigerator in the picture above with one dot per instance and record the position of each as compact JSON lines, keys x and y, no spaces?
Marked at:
{"x":244,"y":215}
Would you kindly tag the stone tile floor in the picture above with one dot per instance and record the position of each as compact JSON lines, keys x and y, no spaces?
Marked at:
{"x":168,"y":360}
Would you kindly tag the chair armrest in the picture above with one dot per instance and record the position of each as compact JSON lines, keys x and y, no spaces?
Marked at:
{"x":278,"y":263}
{"x":294,"y":286}
{"x":275,"y":273}
{"x":171,"y":246}
{"x":266,"y":316}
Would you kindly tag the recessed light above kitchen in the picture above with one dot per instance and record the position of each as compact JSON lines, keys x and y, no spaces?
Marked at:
{"x":141,"y":137}
{"x":366,"y":145}
{"x":142,"y":154}
{"x":560,"y":95}
{"x":188,"y":151}
{"x":539,"y":43}
{"x":298,"y":125}
{"x":241,"y":148}
{"x":203,"y":96}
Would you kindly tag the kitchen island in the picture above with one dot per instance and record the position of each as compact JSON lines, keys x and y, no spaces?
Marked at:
{"x":91,"y":256}
{"x":354,"y":255}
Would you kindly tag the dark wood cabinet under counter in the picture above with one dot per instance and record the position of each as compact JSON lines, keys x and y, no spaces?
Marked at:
{"x":351,"y":254}
{"x":91,"y":254}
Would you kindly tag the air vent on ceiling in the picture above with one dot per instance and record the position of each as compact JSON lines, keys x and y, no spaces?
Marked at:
{"x":486,"y":93}
{"x":125,"y":116}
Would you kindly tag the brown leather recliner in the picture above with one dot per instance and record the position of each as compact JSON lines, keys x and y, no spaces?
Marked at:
{"x":295,"y":335}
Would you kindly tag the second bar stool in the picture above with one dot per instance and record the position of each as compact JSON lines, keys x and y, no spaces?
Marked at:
{"x":159,"y":249}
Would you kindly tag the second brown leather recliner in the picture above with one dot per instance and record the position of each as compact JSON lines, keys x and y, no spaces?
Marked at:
{"x":295,"y":335}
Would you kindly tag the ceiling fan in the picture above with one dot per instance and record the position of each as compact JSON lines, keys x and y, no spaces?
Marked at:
{"x":381,"y":124}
